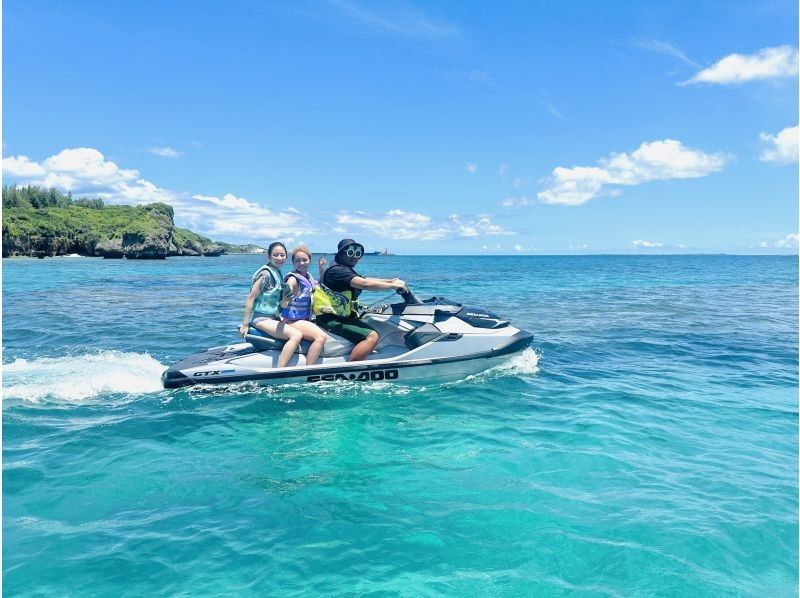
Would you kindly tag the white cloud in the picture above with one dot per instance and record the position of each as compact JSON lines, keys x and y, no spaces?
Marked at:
{"x":85,"y":171}
{"x":471,"y":167}
{"x":548,"y":105}
{"x":652,"y":161}
{"x":238,"y":217}
{"x":395,"y":17}
{"x":165,"y":152}
{"x":398,"y":224}
{"x":515,"y":202}
{"x":768,"y":63}
{"x":643,"y":243}
{"x":395,"y":224}
{"x":666,"y":48}
{"x":473,"y":76}
{"x":475,"y":226}
{"x":763,"y":244}
{"x":21,"y":167}
{"x":520,"y":182}
{"x":519,"y":247}
{"x":788,"y":242}
{"x":230,"y":201}
{"x":781,"y":148}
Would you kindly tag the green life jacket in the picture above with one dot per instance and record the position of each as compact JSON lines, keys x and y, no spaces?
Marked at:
{"x":326,"y":301}
{"x":268,"y":303}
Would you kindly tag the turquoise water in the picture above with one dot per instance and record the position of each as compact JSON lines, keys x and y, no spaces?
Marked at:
{"x":647,"y":445}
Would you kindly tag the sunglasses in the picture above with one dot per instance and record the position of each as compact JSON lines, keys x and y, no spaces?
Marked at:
{"x":355,"y":251}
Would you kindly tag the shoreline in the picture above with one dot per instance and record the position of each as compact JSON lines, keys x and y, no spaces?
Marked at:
{"x":445,"y":255}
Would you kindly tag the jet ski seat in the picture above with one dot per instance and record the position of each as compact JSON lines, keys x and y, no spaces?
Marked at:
{"x":336,"y":346}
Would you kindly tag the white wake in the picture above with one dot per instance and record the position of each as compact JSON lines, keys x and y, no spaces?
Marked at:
{"x":76,"y":378}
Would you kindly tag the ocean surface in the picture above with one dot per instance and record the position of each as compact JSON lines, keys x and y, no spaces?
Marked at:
{"x":646,"y":445}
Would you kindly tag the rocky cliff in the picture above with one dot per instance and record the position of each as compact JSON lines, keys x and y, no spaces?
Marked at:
{"x":140,"y":232}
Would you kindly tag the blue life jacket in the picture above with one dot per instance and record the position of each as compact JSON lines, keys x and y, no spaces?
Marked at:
{"x":299,"y":307}
{"x":268,"y":302}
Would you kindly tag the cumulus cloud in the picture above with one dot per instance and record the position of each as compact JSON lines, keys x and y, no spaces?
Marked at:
{"x":232,"y":216}
{"x":519,"y":247}
{"x":788,"y":242}
{"x":229,"y":200}
{"x":399,"y":224}
{"x":471,"y":167}
{"x":781,"y":148}
{"x":86,"y":171}
{"x":768,"y":63}
{"x":22,"y":167}
{"x":643,"y":243}
{"x":165,"y":152}
{"x":652,"y":161}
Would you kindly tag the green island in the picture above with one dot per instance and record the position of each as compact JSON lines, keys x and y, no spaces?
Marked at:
{"x":39,"y":222}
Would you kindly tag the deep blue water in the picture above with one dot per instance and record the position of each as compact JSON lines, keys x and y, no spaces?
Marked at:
{"x":648,"y":445}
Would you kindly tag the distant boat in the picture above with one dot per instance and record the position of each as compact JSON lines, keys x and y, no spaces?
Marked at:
{"x":383,"y":251}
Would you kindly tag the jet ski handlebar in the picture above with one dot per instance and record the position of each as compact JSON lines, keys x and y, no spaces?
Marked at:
{"x":408,"y":297}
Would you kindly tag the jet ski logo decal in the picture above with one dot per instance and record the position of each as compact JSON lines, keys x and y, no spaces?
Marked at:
{"x":212,"y":373}
{"x":373,"y":376}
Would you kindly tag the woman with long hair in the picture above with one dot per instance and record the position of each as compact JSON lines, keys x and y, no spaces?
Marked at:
{"x":267,"y":296}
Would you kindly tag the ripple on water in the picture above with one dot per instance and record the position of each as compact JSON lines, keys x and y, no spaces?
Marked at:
{"x":646,"y":445}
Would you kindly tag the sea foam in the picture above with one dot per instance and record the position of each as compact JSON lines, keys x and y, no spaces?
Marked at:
{"x":525,"y":363}
{"x":76,"y":378}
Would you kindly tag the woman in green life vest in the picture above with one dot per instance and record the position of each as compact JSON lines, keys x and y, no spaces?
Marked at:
{"x":267,"y":296}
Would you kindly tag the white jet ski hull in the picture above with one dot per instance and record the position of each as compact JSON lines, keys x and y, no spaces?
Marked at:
{"x":427,"y":342}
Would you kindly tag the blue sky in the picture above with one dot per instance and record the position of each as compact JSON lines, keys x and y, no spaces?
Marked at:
{"x":429,"y":128}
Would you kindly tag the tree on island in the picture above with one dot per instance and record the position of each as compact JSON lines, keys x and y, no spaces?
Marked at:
{"x":37,"y":198}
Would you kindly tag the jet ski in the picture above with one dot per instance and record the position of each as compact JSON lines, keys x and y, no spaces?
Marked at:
{"x":421,"y":341}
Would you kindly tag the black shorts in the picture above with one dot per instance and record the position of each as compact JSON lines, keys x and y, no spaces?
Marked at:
{"x":350,"y":328}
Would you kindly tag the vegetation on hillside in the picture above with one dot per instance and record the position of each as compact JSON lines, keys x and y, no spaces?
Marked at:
{"x":39,"y":221}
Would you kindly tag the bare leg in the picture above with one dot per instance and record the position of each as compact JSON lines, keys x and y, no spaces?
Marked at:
{"x":313,"y":333}
{"x":364,"y":348}
{"x":283,"y":332}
